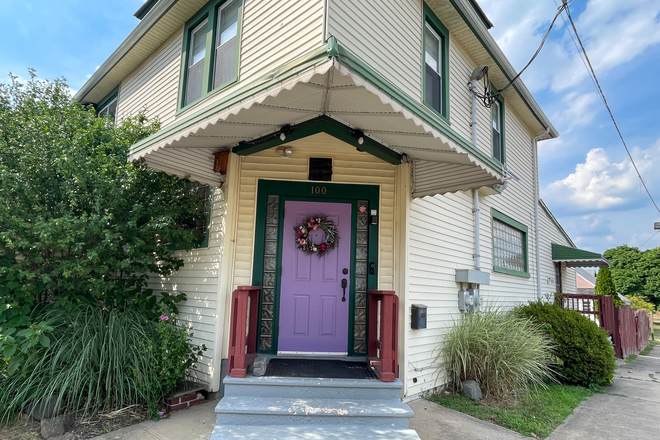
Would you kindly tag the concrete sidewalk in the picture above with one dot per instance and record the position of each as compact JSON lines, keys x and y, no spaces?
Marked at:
{"x":195,"y":423}
{"x":629,"y":409}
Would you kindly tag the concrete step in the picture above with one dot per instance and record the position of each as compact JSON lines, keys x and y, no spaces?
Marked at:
{"x":304,"y":388}
{"x":319,"y":432}
{"x":258,"y":411}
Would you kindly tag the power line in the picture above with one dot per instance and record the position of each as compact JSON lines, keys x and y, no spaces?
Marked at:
{"x":602,"y":95}
{"x":649,"y":239}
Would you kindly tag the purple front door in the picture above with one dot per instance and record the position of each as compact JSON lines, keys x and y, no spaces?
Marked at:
{"x":313,"y":317}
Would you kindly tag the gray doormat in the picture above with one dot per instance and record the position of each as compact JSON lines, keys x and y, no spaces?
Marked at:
{"x":320,"y":368}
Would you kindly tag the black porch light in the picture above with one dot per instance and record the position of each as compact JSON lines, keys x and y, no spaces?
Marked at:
{"x":285,"y":131}
{"x":358,"y":135}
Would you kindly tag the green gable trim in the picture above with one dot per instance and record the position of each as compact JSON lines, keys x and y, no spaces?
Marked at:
{"x":323,"y":124}
{"x":496,"y":215}
{"x":421,"y":111}
{"x":307,"y":62}
{"x":440,"y":29}
{"x":565,"y":253}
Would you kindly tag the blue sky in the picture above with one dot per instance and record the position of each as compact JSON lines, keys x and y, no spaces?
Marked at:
{"x":586,"y":178}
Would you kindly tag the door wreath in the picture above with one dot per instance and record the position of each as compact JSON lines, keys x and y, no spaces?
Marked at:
{"x":314,"y":223}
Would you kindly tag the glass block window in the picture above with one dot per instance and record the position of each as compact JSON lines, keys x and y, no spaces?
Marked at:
{"x":361,"y":270}
{"x":269,"y":278}
{"x":509,"y":246}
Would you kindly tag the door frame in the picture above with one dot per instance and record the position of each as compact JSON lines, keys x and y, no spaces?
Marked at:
{"x":316,"y":192}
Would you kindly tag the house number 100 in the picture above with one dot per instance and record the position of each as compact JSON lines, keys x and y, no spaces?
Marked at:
{"x":319,"y":190}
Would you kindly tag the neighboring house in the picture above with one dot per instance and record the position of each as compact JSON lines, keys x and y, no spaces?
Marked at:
{"x":585,"y":281}
{"x":360,"y":111}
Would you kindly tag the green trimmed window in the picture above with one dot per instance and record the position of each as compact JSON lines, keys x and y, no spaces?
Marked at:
{"x":107,"y":107}
{"x":509,"y":246}
{"x":199,"y":219}
{"x":210,"y":50}
{"x":436,"y":64}
{"x":497,"y":128}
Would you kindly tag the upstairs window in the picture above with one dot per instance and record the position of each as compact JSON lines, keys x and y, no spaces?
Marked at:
{"x":107,"y":107}
{"x":436,"y":64}
{"x":211,"y":47}
{"x":497,"y":129}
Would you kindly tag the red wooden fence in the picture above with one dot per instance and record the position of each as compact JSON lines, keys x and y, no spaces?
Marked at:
{"x":628,"y":327}
{"x":243,"y":333}
{"x":383,"y":334}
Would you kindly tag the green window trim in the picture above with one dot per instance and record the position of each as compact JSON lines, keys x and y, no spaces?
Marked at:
{"x":496,"y":215}
{"x":441,"y":30}
{"x":105,"y":102}
{"x":209,"y":13}
{"x":500,"y":101}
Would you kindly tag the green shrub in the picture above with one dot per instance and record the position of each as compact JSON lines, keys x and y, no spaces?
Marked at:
{"x":500,"y":350}
{"x":640,"y":303}
{"x":173,"y":355}
{"x":586,"y":355}
{"x":100,"y":360}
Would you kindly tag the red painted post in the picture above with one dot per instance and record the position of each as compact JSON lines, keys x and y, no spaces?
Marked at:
{"x":242,"y":345}
{"x":382,"y":351}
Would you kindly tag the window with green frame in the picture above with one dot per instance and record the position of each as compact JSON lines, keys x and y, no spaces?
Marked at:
{"x":509,"y":246}
{"x":199,"y":219}
{"x":210,"y":50}
{"x":497,"y":128}
{"x":107,"y":107}
{"x":436,"y":64}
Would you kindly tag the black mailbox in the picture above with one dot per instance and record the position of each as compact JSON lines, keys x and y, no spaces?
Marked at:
{"x":418,"y":318}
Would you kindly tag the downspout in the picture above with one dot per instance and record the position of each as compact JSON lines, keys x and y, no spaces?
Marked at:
{"x":536,"y":211}
{"x":475,"y":191}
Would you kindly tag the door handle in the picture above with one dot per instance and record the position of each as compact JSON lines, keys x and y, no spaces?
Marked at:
{"x":344,"y":284}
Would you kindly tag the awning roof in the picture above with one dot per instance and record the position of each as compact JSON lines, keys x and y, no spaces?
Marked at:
{"x":574,"y":257}
{"x":329,"y":83}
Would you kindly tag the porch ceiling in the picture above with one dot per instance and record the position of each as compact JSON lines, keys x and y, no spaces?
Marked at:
{"x":442,"y":160}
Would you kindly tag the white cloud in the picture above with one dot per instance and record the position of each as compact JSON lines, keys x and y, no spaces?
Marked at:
{"x":580,"y":110}
{"x":613,"y":31}
{"x":601,"y":184}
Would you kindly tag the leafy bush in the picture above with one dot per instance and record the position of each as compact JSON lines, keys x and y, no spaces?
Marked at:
{"x":98,"y":359}
{"x":500,"y":350}
{"x":97,"y":224}
{"x":605,"y":285}
{"x":173,"y":355}
{"x":586,"y":355}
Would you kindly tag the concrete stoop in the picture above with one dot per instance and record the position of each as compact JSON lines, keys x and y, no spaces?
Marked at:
{"x":310,"y":409}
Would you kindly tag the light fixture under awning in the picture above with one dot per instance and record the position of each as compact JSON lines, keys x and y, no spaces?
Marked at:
{"x":573,"y":257}
{"x":337,"y":88}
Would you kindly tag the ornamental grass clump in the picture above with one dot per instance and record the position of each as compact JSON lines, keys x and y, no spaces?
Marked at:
{"x":501,"y":351}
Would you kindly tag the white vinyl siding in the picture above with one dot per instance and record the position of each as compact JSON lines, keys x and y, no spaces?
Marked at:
{"x":386,"y":35}
{"x":265,"y":44}
{"x":153,"y":87}
{"x":551,"y":234}
{"x":198,"y":279}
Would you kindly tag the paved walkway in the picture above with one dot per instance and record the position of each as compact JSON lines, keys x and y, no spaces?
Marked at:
{"x":629,"y":409}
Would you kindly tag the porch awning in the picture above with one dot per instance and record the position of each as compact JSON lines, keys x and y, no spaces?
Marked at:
{"x":332,"y":83}
{"x":574,"y":257}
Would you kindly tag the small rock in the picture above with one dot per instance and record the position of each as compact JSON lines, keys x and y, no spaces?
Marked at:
{"x":471,"y":390}
{"x":67,"y":436}
{"x":56,"y":426}
{"x":44,"y":409}
{"x":533,"y":435}
{"x":259,"y":366}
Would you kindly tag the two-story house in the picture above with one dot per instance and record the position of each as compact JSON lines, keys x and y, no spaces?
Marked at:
{"x":359,"y":113}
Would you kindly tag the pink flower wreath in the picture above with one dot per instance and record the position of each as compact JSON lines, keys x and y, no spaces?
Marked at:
{"x":313,"y":223}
